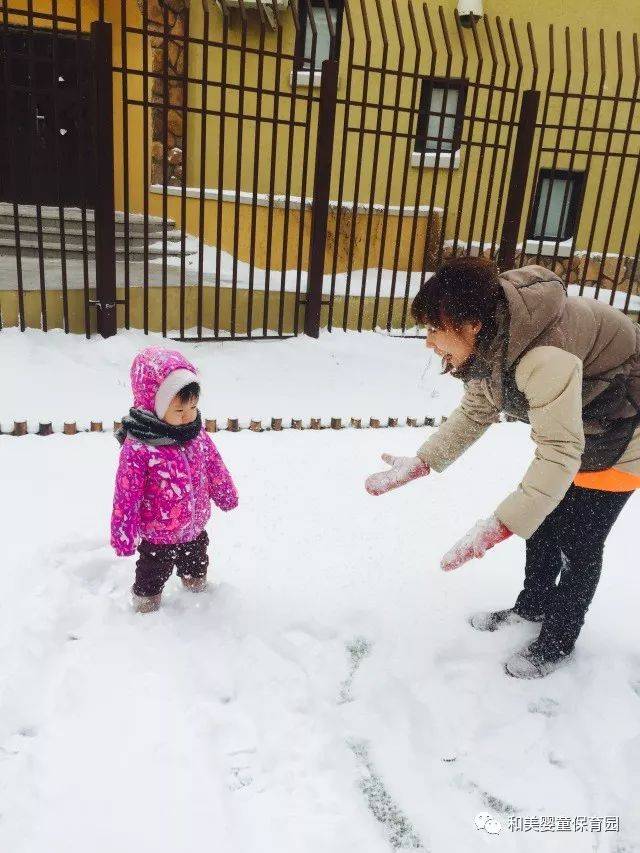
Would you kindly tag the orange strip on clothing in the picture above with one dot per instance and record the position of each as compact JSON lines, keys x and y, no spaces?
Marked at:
{"x":610,"y":480}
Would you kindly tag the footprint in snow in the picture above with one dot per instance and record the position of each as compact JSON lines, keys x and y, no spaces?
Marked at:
{"x":546,"y":706}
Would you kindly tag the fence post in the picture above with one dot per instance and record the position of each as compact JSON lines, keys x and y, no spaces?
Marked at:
{"x":101,"y":41}
{"x":518,"y":180}
{"x":321,"y":191}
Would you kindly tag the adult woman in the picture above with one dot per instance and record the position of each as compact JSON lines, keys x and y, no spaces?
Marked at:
{"x":570,"y":367}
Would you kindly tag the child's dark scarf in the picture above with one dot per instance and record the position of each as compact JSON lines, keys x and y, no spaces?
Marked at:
{"x":149,"y":429}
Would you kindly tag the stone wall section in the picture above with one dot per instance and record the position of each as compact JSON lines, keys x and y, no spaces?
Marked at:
{"x":175,"y":22}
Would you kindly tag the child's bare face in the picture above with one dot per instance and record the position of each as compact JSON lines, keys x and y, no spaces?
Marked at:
{"x":179,"y":413}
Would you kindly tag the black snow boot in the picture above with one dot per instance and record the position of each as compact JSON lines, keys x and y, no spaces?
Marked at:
{"x":492,"y":620}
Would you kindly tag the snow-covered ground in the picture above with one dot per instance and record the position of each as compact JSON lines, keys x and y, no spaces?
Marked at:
{"x":57,"y":377}
{"x":327,"y":695}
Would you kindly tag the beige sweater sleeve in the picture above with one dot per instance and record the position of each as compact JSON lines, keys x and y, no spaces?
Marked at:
{"x":466,"y":424}
{"x":551,"y":380}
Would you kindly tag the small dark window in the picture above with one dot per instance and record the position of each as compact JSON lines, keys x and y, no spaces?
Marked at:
{"x":557,"y":203}
{"x":440,"y":114}
{"x":318,"y":10}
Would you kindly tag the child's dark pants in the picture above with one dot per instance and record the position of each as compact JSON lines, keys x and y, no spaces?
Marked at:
{"x":569,"y":543}
{"x":156,"y":562}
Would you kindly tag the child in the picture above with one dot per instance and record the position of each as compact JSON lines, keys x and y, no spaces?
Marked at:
{"x":169,"y":470}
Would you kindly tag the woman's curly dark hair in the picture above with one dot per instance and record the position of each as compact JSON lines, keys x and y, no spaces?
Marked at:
{"x":462,"y":290}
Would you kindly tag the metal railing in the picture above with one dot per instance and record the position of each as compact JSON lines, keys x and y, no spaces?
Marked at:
{"x":262,"y":193}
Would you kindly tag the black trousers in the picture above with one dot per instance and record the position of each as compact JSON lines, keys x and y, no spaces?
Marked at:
{"x":156,"y":562}
{"x":563,"y":565}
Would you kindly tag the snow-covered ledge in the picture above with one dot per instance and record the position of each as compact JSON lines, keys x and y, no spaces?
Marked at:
{"x":548,"y":248}
{"x":428,"y":160}
{"x":295,"y":202}
{"x":305,"y":78}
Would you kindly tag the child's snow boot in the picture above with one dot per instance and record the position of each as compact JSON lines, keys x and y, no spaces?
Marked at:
{"x":194,"y":584}
{"x":495,"y":619}
{"x":145,"y":603}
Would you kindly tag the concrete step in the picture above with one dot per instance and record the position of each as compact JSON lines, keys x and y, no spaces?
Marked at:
{"x":74,"y":249}
{"x":27,"y":216}
{"x":51,"y":230}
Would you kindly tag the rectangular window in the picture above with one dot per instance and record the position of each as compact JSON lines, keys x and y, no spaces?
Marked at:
{"x":557,"y":201}
{"x":440,"y":115}
{"x":316,"y":9}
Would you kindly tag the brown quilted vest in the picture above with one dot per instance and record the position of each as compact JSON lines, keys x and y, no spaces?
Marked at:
{"x":537,"y":312}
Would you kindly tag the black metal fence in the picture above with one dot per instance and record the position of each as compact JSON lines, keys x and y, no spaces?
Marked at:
{"x":258,"y":168}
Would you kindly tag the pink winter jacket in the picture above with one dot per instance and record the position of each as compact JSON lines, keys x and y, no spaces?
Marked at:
{"x":163,"y":493}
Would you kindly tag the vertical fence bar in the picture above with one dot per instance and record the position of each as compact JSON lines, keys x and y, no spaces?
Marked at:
{"x":556,"y":149}
{"x":183,"y":164}
{"x":543,"y":125}
{"x":101,"y":39}
{"x":35,"y":167}
{"x":360,"y":158}
{"x":272,"y":171}
{"x":257,"y":135}
{"x":616,"y":192}
{"x":484,"y":141}
{"x":321,"y":192}
{"x":518,"y":181}
{"x":511,"y":126}
{"x":145,"y":164}
{"x":85,"y":136}
{"x":405,"y":170}
{"x":574,"y":147}
{"x":605,"y":163}
{"x":8,"y":91}
{"x":221,"y":158}
{"x":592,"y":143}
{"x":63,"y":243}
{"x":342,"y":173}
{"x":305,"y":166}
{"x":382,"y":72}
{"x":125,"y":159}
{"x":287,"y":190}
{"x":204,"y":92}
{"x":239,"y":154}
{"x":164,"y":106}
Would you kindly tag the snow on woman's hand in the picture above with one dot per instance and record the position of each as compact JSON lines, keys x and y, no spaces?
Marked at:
{"x":475,"y":544}
{"x":403,"y":470}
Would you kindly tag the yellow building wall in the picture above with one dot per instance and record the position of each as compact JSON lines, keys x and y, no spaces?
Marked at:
{"x":477,"y":182}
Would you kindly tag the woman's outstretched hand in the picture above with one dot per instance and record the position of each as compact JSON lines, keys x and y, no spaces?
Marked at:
{"x":403,"y":470}
{"x":482,"y":536}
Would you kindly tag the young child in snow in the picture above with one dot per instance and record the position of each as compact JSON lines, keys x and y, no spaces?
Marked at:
{"x":169,"y":471}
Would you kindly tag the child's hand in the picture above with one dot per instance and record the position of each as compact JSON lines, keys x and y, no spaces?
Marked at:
{"x":403,"y":470}
{"x":482,"y":536}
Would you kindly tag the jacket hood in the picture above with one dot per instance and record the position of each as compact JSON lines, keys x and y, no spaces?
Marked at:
{"x":536,"y":299}
{"x":157,"y":373}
